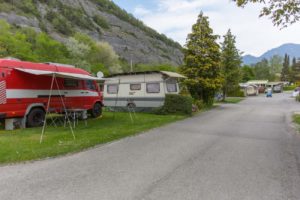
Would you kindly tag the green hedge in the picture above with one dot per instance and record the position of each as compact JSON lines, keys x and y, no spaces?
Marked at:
{"x":290,"y":87}
{"x":237,"y":93}
{"x":176,"y":104}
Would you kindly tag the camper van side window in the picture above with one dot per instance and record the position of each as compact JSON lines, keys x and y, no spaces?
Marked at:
{"x":153,"y":87}
{"x":90,"y":85}
{"x":135,"y":87}
{"x":112,"y":89}
{"x":71,"y":83}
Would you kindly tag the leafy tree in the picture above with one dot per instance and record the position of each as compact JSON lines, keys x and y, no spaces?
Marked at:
{"x":49,"y":50}
{"x":202,"y":61}
{"x":262,"y":70}
{"x":247,"y":73}
{"x":285,"y":68}
{"x":231,"y":62}
{"x":295,"y":71}
{"x":281,"y":12}
{"x":276,"y":64}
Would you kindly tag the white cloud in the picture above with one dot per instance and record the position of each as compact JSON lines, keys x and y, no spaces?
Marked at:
{"x":254,"y":35}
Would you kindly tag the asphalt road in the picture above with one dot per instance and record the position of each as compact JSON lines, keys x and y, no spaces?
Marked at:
{"x":246,"y":151}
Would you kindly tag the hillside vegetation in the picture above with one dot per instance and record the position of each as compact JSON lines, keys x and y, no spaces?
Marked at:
{"x":99,"y":20}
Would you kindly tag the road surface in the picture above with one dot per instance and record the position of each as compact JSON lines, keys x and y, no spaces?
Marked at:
{"x":245,"y":151}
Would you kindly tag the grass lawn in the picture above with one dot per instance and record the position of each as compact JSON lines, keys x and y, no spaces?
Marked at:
{"x":296,"y":118}
{"x":233,"y":100}
{"x":21,"y":145}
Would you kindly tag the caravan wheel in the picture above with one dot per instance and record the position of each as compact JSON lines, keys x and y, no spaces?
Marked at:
{"x":36,"y":117}
{"x":97,"y":110}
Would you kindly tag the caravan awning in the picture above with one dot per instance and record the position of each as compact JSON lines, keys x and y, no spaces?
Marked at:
{"x":60,"y":74}
{"x":172,"y":74}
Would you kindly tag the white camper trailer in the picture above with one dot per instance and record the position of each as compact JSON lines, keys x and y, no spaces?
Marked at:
{"x":140,"y":90}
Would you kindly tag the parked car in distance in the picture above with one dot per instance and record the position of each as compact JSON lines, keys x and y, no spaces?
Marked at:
{"x":278,"y":88}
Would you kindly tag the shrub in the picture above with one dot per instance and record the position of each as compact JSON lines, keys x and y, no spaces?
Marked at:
{"x":199,"y":103}
{"x":237,"y":93}
{"x":176,"y":104}
{"x":101,"y":21}
{"x":290,"y":87}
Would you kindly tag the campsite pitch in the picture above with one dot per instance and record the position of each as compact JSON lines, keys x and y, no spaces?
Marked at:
{"x":23,"y":144}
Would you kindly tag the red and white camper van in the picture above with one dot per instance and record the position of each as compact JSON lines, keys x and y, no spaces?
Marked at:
{"x":25,"y":88}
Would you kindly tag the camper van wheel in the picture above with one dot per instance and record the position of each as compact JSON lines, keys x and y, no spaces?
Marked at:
{"x":36,"y":117}
{"x":97,"y":110}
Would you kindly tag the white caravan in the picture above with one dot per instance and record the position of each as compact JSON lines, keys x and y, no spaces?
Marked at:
{"x":140,"y":90}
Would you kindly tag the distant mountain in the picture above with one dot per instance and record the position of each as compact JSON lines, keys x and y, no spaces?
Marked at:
{"x":293,"y":50}
{"x":102,"y":20}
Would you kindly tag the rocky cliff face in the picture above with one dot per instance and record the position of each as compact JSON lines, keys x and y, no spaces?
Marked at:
{"x":137,"y":43}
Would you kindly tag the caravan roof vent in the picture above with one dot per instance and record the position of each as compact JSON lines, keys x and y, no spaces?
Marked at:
{"x":60,"y":64}
{"x":12,"y":58}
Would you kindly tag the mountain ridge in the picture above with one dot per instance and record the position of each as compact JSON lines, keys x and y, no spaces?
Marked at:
{"x":292,"y":49}
{"x":102,"y":20}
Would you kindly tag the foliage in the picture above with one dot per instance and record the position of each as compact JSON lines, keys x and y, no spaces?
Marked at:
{"x":295,"y":71}
{"x":80,"y":50}
{"x":60,"y":23}
{"x":275,"y":63}
{"x":231,"y":63}
{"x":281,"y":12}
{"x":101,"y":21}
{"x":296,"y":119}
{"x":176,"y":104}
{"x":233,"y":100}
{"x":236,"y":93}
{"x":59,"y":141}
{"x":247,"y":73}
{"x":24,"y":7}
{"x":290,"y":87}
{"x":285,"y":69}
{"x":262,"y":70}
{"x":202,"y":62}
{"x":26,"y":44}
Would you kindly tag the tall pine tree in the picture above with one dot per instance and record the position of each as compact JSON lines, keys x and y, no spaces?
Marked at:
{"x":231,"y":63}
{"x":285,"y":68}
{"x":202,"y":61}
{"x":295,"y":72}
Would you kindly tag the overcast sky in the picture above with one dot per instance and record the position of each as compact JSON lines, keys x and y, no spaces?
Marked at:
{"x":175,"y":18}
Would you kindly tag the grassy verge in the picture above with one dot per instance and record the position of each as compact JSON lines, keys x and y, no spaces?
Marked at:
{"x":23,"y":145}
{"x":296,"y":118}
{"x":233,"y":100}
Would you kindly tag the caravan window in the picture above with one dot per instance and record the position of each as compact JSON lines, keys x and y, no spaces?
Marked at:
{"x":153,"y":87}
{"x":112,"y":89}
{"x":135,"y":87}
{"x":71,"y":83}
{"x":171,"y":87}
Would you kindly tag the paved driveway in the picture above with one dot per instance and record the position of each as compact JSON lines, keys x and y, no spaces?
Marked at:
{"x":234,"y":152}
